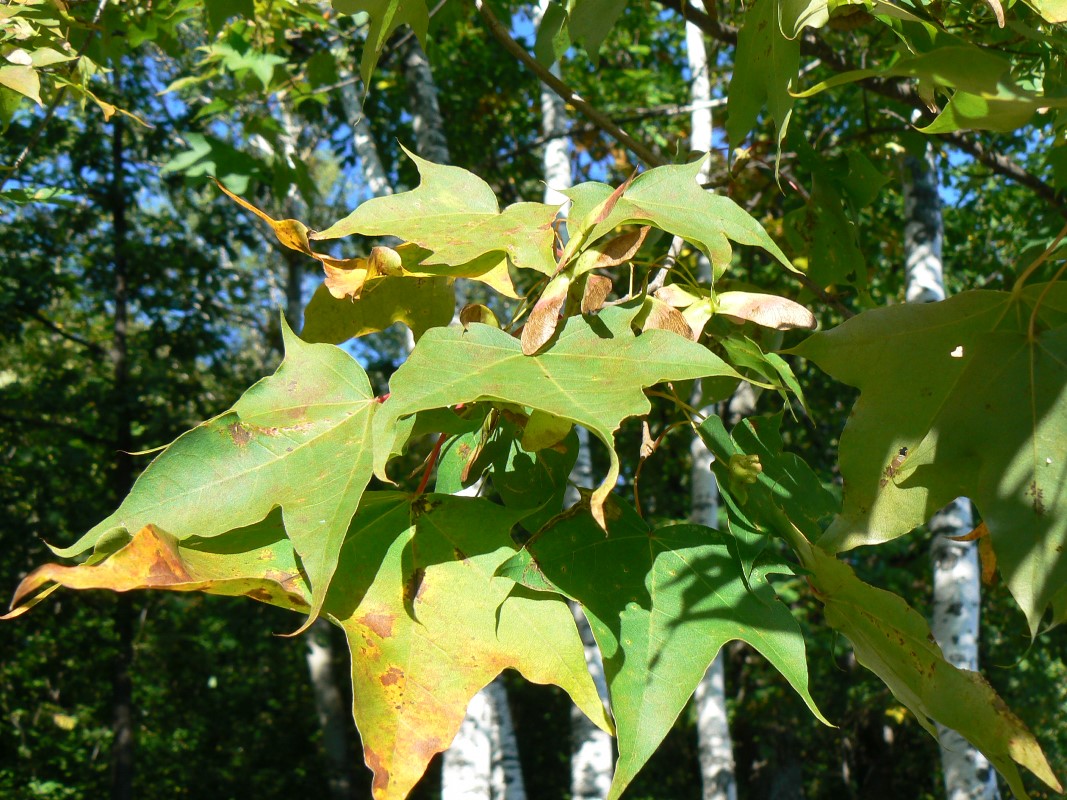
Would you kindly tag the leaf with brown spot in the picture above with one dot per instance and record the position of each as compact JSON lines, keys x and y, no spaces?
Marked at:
{"x":979,"y":403}
{"x":461,"y":628}
{"x":257,"y":561}
{"x":768,"y":310}
{"x":299,"y":439}
{"x":892,"y":640}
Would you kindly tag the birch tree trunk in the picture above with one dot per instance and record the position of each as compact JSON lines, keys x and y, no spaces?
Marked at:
{"x":957,"y":593}
{"x":320,"y":657}
{"x":483,"y":761}
{"x":123,"y":728}
{"x":713,"y":727}
{"x":592,"y":752}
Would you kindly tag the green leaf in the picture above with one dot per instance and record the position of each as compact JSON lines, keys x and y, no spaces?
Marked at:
{"x":782,"y":494}
{"x":219,"y":11}
{"x":590,"y":21}
{"x":1003,"y":113}
{"x":956,"y":400}
{"x":661,"y":604}
{"x":765,"y":65}
{"x":535,"y":483}
{"x":670,"y":198}
{"x":1054,"y":11}
{"x":257,"y":561}
{"x":892,"y":640}
{"x":429,"y":625}
{"x":419,"y":303}
{"x":454,"y":215}
{"x":210,"y":156}
{"x":299,"y":439}
{"x":245,"y":58}
{"x":385,"y":17}
{"x":553,"y":38}
{"x":824,"y":233}
{"x":592,"y":375}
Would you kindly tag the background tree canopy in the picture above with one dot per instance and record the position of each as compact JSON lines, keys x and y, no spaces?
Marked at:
{"x":304,"y":245}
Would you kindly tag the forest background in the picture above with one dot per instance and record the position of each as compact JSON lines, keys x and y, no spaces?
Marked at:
{"x":137,"y":300}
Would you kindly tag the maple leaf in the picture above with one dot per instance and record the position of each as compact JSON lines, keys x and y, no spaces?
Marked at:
{"x":957,"y":398}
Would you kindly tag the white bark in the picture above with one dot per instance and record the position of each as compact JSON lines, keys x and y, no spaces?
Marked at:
{"x":592,"y":752}
{"x":331,"y":710}
{"x":713,"y":727}
{"x":957,"y":588}
{"x":466,"y":773}
{"x":430,"y":140}
{"x":370,"y":163}
{"x":483,"y":760}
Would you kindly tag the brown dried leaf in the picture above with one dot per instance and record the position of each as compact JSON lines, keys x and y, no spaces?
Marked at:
{"x":988,"y":558}
{"x":347,"y":281}
{"x":621,"y":249}
{"x":660,"y":316}
{"x":998,"y":11}
{"x":544,"y":317}
{"x":767,"y":310}
{"x":345,"y":277}
{"x":674,"y":295}
{"x":597,"y":289}
{"x":978,"y":533}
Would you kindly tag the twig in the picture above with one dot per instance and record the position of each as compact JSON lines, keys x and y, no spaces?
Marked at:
{"x":54,"y":105}
{"x":595,"y":116}
{"x":894,"y":89}
{"x":57,"y":328}
{"x":45,"y":423}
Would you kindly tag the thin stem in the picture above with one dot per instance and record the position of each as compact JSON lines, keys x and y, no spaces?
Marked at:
{"x":641,"y":463}
{"x":1037,"y":262}
{"x":1041,"y":299}
{"x":431,"y":462}
{"x":595,"y":116}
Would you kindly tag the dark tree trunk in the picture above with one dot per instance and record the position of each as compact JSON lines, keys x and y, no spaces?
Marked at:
{"x":122,"y":747}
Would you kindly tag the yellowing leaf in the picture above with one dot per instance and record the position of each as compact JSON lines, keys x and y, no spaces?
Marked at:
{"x":454,"y":215}
{"x":299,"y":439}
{"x":892,"y":640}
{"x":429,"y":625}
{"x":22,"y":79}
{"x":257,"y":562}
{"x":419,"y":303}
